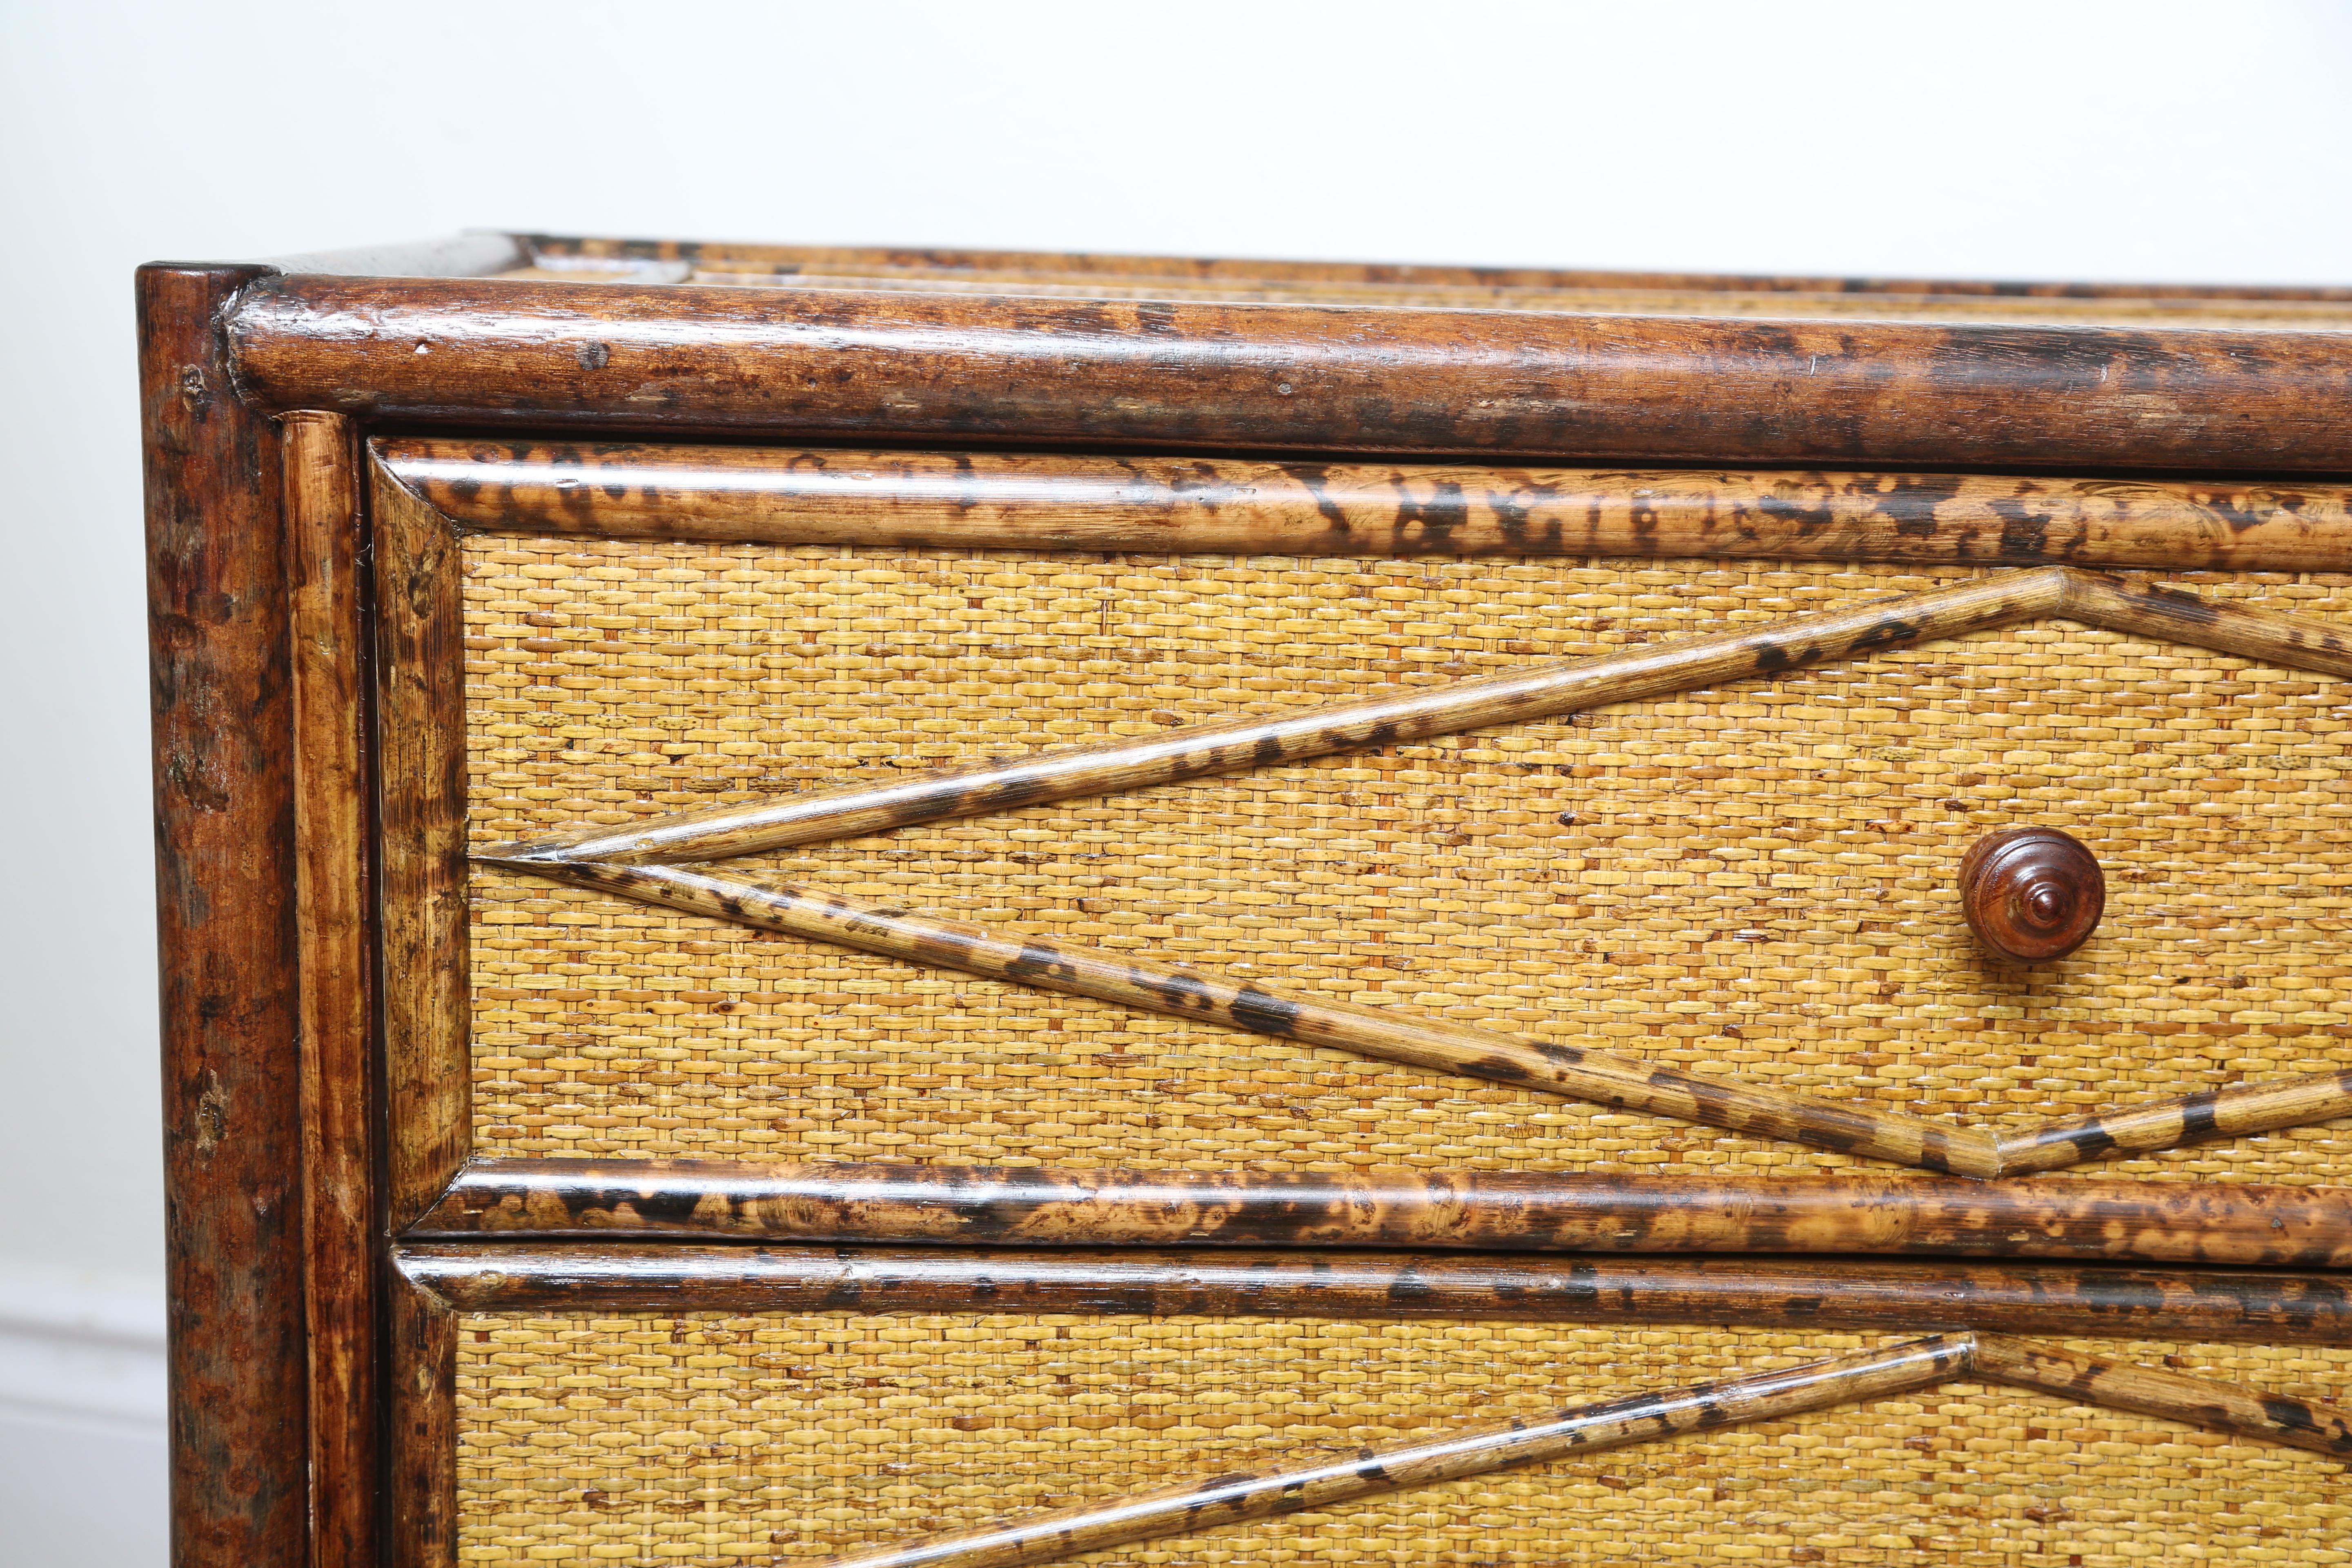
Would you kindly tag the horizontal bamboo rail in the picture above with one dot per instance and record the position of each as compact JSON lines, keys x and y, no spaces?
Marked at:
{"x":882,"y":366}
{"x":1598,"y":1076}
{"x":1216,"y":505}
{"x":1469,"y":1451}
{"x":1890,"y":1295}
{"x":966,"y":1205}
{"x":1536,"y":692}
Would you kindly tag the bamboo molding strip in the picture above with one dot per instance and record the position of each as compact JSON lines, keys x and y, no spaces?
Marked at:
{"x":1536,"y":692}
{"x":1189,"y":1507}
{"x":1194,"y":1506}
{"x":999,"y":500}
{"x":966,"y":1205}
{"x":1603,"y":1078}
{"x":1862,"y":1294}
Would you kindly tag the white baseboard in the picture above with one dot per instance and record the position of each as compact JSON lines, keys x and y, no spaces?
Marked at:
{"x":83,"y":1468}
{"x":82,"y":1347}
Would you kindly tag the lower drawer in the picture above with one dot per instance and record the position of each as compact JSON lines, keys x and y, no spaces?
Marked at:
{"x":725,"y":1438}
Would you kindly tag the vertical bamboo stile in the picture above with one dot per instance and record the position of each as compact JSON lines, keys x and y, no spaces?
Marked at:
{"x":1579,"y":1429}
{"x":421,"y":752}
{"x":324,"y":553}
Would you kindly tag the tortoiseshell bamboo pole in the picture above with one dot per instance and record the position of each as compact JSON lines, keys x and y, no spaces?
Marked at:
{"x":2147,"y":1391}
{"x":2232,"y":1112}
{"x":1471,"y":1451}
{"x":1879,"y":1295}
{"x":1537,"y":692}
{"x":1246,"y":506}
{"x":2167,"y":615}
{"x":974,"y":1206}
{"x":1597,"y":1076}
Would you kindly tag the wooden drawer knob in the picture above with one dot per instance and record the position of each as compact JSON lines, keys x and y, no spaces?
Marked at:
{"x":2031,"y":893}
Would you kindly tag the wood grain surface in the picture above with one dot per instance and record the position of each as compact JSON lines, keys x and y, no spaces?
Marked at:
{"x":968,"y":1205}
{"x":1205,"y":1504}
{"x":1893,"y":1295}
{"x":1208,"y":505}
{"x":225,"y":903}
{"x":2032,"y":894}
{"x":852,"y":365}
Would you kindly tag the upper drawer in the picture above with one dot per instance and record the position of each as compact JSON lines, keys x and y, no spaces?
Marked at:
{"x":1750,"y":879}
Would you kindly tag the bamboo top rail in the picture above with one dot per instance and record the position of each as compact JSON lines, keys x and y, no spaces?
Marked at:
{"x":856,"y":364}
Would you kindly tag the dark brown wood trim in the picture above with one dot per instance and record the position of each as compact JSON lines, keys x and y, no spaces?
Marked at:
{"x":324,"y":558}
{"x":848,"y":364}
{"x":718,"y":253}
{"x":974,"y":1206}
{"x":421,"y":756}
{"x":1896,"y":1295}
{"x":420,"y":1501}
{"x":1005,"y":500}
{"x":224,"y":749}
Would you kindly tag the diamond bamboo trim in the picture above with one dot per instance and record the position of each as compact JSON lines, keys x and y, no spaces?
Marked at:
{"x":1898,"y":1369}
{"x":644,"y":862}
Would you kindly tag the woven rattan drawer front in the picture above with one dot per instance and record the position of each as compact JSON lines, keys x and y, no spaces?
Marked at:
{"x":1758,"y":877}
{"x":711,"y":1439}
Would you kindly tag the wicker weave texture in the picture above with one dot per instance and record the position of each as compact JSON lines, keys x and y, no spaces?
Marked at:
{"x":711,"y":1439}
{"x":1759,"y":879}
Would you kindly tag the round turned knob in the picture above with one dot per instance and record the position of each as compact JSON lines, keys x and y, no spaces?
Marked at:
{"x":2031,"y":893}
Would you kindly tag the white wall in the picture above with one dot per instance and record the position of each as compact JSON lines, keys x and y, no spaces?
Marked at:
{"x":2111,"y":139}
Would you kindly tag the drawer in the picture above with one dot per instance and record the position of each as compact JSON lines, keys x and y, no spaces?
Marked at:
{"x":1754,"y":878}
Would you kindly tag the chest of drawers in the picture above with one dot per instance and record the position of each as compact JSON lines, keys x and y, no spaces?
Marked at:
{"x":972,"y":908}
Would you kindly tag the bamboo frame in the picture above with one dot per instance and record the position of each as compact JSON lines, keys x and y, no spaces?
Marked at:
{"x":256,"y":737}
